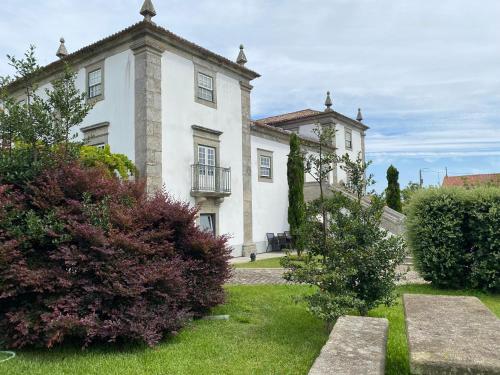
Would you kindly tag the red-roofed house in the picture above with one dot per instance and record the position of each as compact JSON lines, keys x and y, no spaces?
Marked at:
{"x":472,"y":180}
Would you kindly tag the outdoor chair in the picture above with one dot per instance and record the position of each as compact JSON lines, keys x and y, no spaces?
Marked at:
{"x":288,"y":237}
{"x":272,"y":242}
{"x":281,"y":240}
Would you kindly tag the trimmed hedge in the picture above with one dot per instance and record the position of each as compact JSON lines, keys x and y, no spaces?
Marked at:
{"x":87,"y":257}
{"x":454,"y":235}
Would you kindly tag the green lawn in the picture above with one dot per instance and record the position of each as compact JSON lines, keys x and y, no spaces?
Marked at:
{"x":262,"y":263}
{"x":266,"y":334}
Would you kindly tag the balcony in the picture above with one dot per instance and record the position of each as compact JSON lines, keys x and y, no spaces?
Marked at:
{"x":210,"y":181}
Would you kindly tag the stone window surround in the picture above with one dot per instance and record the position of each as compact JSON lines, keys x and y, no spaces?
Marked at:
{"x":97,"y":134}
{"x":262,"y":152}
{"x":209,"y":206}
{"x":89,"y":69}
{"x":199,"y":68}
{"x":206,"y":137}
{"x":347,"y":131}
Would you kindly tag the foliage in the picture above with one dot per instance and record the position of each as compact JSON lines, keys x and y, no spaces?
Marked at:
{"x":393,"y":193}
{"x":103,"y":157}
{"x":91,"y":258}
{"x":319,"y":166}
{"x":355,"y":268}
{"x":407,"y":193}
{"x":32,"y":130}
{"x":295,"y":176}
{"x":454,"y":234}
{"x":283,"y":339}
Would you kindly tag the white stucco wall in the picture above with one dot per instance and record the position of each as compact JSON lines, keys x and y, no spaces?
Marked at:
{"x":117,"y":108}
{"x":307,"y":130}
{"x":179,"y":112}
{"x":118,"y":105}
{"x":341,"y":149}
{"x":269,"y":199}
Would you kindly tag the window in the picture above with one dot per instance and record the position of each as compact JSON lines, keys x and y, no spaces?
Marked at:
{"x":96,"y":135}
{"x":205,"y":87}
{"x":207,"y":223}
{"x":348,"y":139}
{"x":95,"y":81}
{"x":265,"y":160}
{"x":265,"y":166}
{"x":205,"y":84}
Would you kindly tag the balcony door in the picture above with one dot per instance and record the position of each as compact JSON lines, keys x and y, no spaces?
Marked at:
{"x":206,"y":167}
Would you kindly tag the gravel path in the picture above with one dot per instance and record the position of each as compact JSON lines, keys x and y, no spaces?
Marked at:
{"x":255,"y":276}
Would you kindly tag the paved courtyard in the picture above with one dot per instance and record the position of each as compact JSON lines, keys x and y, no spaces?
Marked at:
{"x":253,"y":276}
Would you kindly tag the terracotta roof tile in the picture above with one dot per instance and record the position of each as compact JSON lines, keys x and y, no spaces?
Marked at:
{"x":472,"y":180}
{"x":297,"y":115}
{"x":135,"y":28}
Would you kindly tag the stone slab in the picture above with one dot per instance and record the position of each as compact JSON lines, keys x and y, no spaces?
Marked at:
{"x":356,"y":346}
{"x":451,"y":335}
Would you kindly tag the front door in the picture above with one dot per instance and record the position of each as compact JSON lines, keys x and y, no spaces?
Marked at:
{"x":206,"y":168}
{"x":207,"y":223}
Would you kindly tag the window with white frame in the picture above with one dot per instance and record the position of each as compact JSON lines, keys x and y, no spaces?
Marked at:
{"x":205,"y":87}
{"x":348,"y":139}
{"x":265,"y":160}
{"x":94,"y":83}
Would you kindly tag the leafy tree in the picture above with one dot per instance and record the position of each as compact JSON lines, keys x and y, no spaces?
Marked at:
{"x":393,"y":193}
{"x":356,"y":266}
{"x":319,"y":166}
{"x":296,"y":206}
{"x":103,"y":157}
{"x":34,"y":130}
{"x":407,"y":194}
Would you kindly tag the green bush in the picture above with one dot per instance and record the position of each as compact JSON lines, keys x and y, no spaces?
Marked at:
{"x":454,"y":234}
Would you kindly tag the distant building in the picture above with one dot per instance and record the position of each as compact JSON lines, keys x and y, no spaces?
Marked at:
{"x":182,"y":113}
{"x":472,"y":180}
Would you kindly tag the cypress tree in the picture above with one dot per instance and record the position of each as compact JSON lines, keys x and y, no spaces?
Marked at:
{"x":393,"y":193}
{"x":295,"y":176}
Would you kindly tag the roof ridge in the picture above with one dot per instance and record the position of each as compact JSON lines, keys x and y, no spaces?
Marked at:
{"x":54,"y":65}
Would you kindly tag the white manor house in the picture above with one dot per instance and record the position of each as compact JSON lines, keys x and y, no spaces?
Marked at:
{"x":182,"y":113}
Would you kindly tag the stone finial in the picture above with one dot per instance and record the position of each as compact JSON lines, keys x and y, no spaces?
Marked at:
{"x":148,"y":10}
{"x":328,"y":102}
{"x":62,"y":51}
{"x":359,"y":117}
{"x":242,"y":59}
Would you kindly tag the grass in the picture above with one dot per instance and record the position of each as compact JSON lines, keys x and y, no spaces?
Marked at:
{"x":262,"y":263}
{"x":267,"y":334}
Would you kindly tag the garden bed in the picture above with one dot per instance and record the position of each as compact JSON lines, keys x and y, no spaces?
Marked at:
{"x":267,"y":334}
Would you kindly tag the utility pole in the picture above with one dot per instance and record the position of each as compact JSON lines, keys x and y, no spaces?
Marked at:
{"x":420,"y":177}
{"x":446,"y":168}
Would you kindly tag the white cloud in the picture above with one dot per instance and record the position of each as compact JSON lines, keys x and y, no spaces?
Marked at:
{"x":425,"y":73}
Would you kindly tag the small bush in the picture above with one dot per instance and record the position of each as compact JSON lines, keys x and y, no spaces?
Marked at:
{"x":89,"y":257}
{"x":455,"y":236}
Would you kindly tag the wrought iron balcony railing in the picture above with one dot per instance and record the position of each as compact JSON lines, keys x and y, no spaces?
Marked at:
{"x":210,"y":180}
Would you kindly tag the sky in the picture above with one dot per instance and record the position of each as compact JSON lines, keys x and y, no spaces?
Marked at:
{"x":425,"y":73}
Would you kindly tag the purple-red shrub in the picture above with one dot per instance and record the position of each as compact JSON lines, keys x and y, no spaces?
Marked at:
{"x":92,"y":258}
